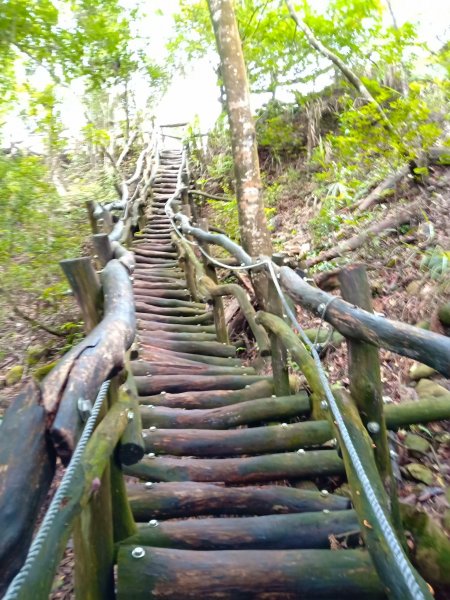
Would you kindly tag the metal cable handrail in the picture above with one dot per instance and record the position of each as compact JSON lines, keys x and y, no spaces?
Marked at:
{"x":63,"y":489}
{"x":386,"y":528}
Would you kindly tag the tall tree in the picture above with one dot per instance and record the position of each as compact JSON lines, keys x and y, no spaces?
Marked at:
{"x":255,"y":235}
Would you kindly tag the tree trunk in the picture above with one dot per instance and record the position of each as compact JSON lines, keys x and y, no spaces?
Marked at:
{"x":252,"y":220}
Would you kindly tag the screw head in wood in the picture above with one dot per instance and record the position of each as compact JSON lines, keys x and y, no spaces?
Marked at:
{"x":373,"y":427}
{"x":138,"y":552}
{"x":149,"y":484}
{"x":153,"y":523}
{"x":324,"y":493}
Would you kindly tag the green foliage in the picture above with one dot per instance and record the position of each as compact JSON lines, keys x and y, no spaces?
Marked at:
{"x":29,"y":248}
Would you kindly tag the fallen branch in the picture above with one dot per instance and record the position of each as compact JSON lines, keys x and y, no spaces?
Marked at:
{"x":39,"y":324}
{"x":379,"y":193}
{"x":404,"y":215}
{"x":210,"y":196}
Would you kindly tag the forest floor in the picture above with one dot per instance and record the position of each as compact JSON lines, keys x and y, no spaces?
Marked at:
{"x":408,"y":268}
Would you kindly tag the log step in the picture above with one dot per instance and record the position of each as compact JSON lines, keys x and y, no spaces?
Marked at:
{"x":174,"y":500}
{"x":244,"y":574}
{"x":225,"y":417}
{"x":276,"y":532}
{"x":256,"y":469}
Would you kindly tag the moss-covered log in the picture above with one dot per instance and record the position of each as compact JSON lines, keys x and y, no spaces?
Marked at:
{"x":375,"y":520}
{"x":178,"y":367}
{"x":365,"y":383}
{"x":26,"y":473}
{"x":96,"y":457}
{"x":174,"y":500}
{"x":210,"y":399}
{"x":152,"y":353}
{"x":234,"y":442}
{"x":299,"y":353}
{"x":181,"y":383}
{"x":90,"y":363}
{"x":233,"y":415}
{"x":231,"y":574}
{"x":240,"y":470}
{"x":274,"y":532}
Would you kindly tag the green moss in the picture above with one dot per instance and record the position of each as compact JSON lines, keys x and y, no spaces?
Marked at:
{"x":14,"y":375}
{"x":41,"y":372}
{"x":432,"y":552}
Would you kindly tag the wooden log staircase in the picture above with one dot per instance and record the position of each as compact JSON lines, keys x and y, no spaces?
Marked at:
{"x":230,"y":483}
{"x":226,"y":503}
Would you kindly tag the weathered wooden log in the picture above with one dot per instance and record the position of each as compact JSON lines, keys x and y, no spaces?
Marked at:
{"x":373,"y":531}
{"x":201,"y":319}
{"x":225,"y":417}
{"x":174,"y":500}
{"x":271,"y":532}
{"x":217,"y":303}
{"x":141,"y":368}
{"x":426,"y":410}
{"x":203,"y":348}
{"x":210,"y":399}
{"x":145,"y":260}
{"x":103,"y":247}
{"x":147,"y":307}
{"x":155,"y":354}
{"x":132,"y":448}
{"x":158,"y":326}
{"x":84,"y":368}
{"x":181,"y":383}
{"x":25,"y":478}
{"x":257,"y":469}
{"x":85,"y":285}
{"x":230,"y":574}
{"x":365,"y":383}
{"x":234,"y":442}
{"x":168,"y":302}
{"x":425,"y":346}
{"x":96,"y":457}
{"x":156,"y":288}
{"x":299,"y":353}
{"x":262,"y":340}
{"x":148,"y":335}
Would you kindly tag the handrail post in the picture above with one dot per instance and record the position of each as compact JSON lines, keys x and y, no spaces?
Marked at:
{"x":93,"y":529}
{"x":217,"y":302}
{"x":278,"y":351}
{"x":189,"y":269}
{"x":365,"y":382}
{"x":92,"y":220}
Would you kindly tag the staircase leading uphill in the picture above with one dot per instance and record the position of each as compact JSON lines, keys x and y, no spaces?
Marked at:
{"x":222,"y":502}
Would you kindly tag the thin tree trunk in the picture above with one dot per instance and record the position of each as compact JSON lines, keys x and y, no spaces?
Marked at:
{"x":252,"y":220}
